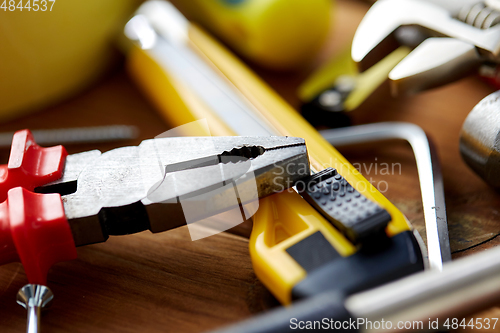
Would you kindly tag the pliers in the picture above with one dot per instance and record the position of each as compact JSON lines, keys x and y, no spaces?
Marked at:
{"x":448,"y":44}
{"x":53,"y":202}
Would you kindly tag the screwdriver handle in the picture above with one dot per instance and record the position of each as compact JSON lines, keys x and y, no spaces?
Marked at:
{"x":35,"y":231}
{"x":33,"y":227}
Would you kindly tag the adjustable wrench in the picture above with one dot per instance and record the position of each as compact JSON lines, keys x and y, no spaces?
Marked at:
{"x":449,"y":42}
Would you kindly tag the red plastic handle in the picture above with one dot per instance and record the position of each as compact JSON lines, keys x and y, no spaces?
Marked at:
{"x":494,"y":82}
{"x":33,"y":227}
{"x":30,"y":165}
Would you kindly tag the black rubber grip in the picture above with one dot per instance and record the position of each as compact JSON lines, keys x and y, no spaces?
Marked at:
{"x":352,"y":213}
{"x":124,"y":220}
{"x":313,"y":252}
{"x":398,"y":257}
{"x":325,"y":312}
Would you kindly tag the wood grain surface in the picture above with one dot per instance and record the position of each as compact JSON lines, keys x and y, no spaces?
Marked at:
{"x":167,"y":283}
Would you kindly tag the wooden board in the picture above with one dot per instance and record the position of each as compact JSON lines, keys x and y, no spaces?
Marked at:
{"x":166,"y":282}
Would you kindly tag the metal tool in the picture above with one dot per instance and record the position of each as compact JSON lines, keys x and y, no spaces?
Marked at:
{"x":429,"y":174}
{"x":338,"y":86}
{"x":464,"y":287}
{"x":446,"y":47}
{"x":102,"y":203}
{"x":77,"y":135}
{"x":453,"y":6}
{"x":131,"y":189}
{"x":341,"y":75}
{"x":479,"y":139}
{"x":84,"y":198}
{"x":34,"y":298}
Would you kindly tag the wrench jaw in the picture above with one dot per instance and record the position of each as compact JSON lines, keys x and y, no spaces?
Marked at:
{"x":377,"y":32}
{"x":435,"y":62}
{"x":460,"y":50}
{"x":376,"y":35}
{"x":370,"y":47}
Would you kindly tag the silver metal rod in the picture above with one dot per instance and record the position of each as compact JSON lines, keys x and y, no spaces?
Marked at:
{"x":33,"y":325}
{"x":34,"y":297}
{"x":77,"y":135}
{"x":429,"y":172}
{"x":464,"y":287}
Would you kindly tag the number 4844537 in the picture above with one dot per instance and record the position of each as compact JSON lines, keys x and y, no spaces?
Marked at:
{"x":29,"y":5}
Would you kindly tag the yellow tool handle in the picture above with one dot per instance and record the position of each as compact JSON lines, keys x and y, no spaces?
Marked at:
{"x":364,"y":83}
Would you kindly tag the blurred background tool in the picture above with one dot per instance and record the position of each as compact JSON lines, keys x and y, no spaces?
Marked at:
{"x":429,"y":174}
{"x":337,"y":87}
{"x":446,"y":47}
{"x":453,"y":6}
{"x":479,"y":139}
{"x":47,"y":56}
{"x":277,"y":34}
{"x":77,"y":135}
{"x":296,"y":250}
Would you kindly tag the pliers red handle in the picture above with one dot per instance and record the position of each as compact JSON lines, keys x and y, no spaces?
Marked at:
{"x":33,"y":227}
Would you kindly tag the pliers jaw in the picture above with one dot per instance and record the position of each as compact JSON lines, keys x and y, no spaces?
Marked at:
{"x":448,"y":48}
